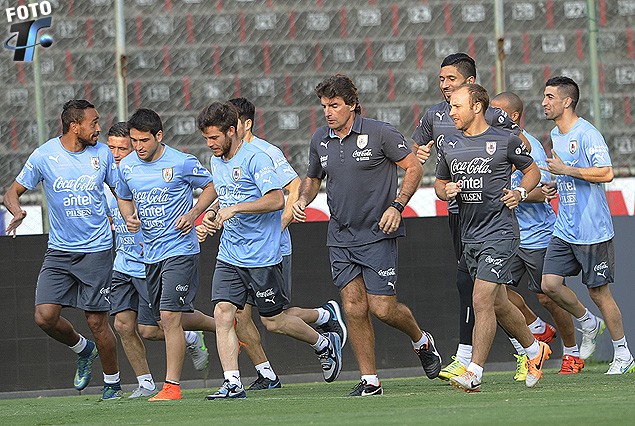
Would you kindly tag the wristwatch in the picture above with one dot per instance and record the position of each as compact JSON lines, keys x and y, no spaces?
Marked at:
{"x":397,"y":205}
{"x":523,"y":193}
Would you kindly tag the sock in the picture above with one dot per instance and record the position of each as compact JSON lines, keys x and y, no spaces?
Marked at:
{"x":233,"y":376}
{"x":323,"y":316}
{"x":519,"y":348}
{"x":173,"y":383}
{"x":538,"y":326}
{"x":420,"y":342}
{"x":321,"y":343}
{"x":146,"y":381}
{"x":79,"y":346}
{"x":588,"y":321}
{"x":573,"y":351}
{"x":111,"y":379}
{"x":265,"y":370}
{"x":464,"y":354}
{"x":620,"y":348}
{"x":533,"y":350}
{"x":476,"y":369}
{"x":190,"y":337}
{"x":371,"y":379}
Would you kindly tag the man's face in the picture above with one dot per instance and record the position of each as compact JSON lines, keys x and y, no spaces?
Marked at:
{"x":553,"y":103}
{"x":88,"y":129}
{"x":146,"y":144}
{"x":460,"y":110}
{"x":220,"y":143}
{"x":449,"y":79}
{"x":120,"y":146}
{"x":336,"y":112}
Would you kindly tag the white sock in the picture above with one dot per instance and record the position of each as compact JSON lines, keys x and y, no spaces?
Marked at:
{"x":519,"y":348}
{"x":464,"y":354}
{"x":323,"y":316}
{"x":476,"y":369}
{"x":538,"y":326}
{"x":620,"y":348}
{"x":146,"y":381}
{"x":573,"y":351}
{"x":265,"y":370}
{"x":110,"y":379}
{"x":190,"y":337}
{"x":533,"y":350}
{"x":588,"y":321}
{"x":79,"y":346}
{"x":420,"y":342}
{"x":233,"y":376}
{"x":371,"y":379}
{"x":321,"y":343}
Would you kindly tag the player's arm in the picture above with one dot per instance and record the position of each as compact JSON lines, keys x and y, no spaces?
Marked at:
{"x":445,"y":189}
{"x":185,"y":223}
{"x":129,"y":214}
{"x":531,"y":178}
{"x":12,"y":203}
{"x":391,"y":218}
{"x":422,"y":138}
{"x":293,"y":188}
{"x":590,"y":174}
{"x":270,"y":202}
{"x":308,"y":191}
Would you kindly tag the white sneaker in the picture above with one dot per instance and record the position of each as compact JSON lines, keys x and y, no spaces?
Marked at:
{"x":620,"y":366}
{"x":589,"y":339}
{"x":141,"y":392}
{"x":198,"y":352}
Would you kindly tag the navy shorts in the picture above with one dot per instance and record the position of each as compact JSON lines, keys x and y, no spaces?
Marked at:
{"x":234,"y":283}
{"x":286,"y":288}
{"x":596,"y":261}
{"x":376,"y":262}
{"x":491,"y":260}
{"x":172,"y":284}
{"x":529,"y":261}
{"x":129,"y":293}
{"x":78,"y":280}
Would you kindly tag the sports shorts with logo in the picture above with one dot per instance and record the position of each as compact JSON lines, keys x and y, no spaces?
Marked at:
{"x":172,"y":284}
{"x":286,"y":277}
{"x":266,"y":286}
{"x":491,"y":260}
{"x":376,"y":262}
{"x":78,"y":280}
{"x":596,"y":261}
{"x":528,"y":261}
{"x":129,"y":293}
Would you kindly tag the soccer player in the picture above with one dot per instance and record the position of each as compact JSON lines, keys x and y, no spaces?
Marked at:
{"x":359,"y":158}
{"x":474,"y":168}
{"x":583,"y":233}
{"x":249,"y":259}
{"x":129,"y":302}
{"x":159,"y":180}
{"x":77,"y":265}
{"x":535,"y":220}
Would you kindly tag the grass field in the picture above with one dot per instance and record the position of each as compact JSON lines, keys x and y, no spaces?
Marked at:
{"x":587,"y":398}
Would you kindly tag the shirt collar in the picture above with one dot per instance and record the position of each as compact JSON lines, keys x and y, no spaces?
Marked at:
{"x":356,"y":127}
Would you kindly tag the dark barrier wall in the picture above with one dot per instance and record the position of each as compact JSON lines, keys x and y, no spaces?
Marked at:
{"x":31,"y":360}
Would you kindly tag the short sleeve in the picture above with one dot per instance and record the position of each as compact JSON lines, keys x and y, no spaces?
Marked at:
{"x":194,"y":173}
{"x":314,"y":169}
{"x":393,"y":143}
{"x":31,"y":175}
{"x":595,"y":149}
{"x":517,"y":153}
{"x":423,"y":132}
{"x":121,"y":188}
{"x":262,"y":169}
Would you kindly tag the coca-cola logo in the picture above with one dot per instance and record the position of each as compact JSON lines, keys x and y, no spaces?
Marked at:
{"x":601,"y":266}
{"x":475,"y":166}
{"x":82,"y":183}
{"x":267,"y":293}
{"x":153,"y":196}
{"x":368,"y":152}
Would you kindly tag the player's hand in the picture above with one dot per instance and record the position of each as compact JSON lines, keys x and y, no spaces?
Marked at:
{"x":299,"y":213}
{"x":555,"y":165}
{"x":510,"y":198}
{"x":423,"y":152}
{"x":549,"y":190}
{"x":185,"y":223}
{"x":133,"y":223}
{"x":15,"y":222}
{"x":224,"y":214}
{"x":142,"y":248}
{"x":452,"y":189}
{"x":390,"y":220}
{"x":201,"y":233}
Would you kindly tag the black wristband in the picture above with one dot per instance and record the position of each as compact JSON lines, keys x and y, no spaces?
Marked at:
{"x":397,"y":205}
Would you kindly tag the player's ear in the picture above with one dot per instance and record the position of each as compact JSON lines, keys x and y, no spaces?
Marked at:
{"x":159,"y":136}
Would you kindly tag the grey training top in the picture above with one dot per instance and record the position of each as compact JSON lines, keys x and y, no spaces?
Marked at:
{"x":483,"y":165}
{"x":361,"y":179}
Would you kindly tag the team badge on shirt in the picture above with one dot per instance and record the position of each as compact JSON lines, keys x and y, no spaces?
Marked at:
{"x":94,"y":161}
{"x":237,"y":173}
{"x":490,"y":147}
{"x":167,"y":174}
{"x":362,"y":141}
{"x":573,"y":146}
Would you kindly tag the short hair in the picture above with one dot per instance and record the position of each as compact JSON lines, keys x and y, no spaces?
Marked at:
{"x":217,"y":114}
{"x":246,"y":109}
{"x":119,"y":130}
{"x":568,"y":86}
{"x":462,"y":62}
{"x":513,"y":100}
{"x":73,"y":112}
{"x":146,"y":120}
{"x":339,"y":85}
{"x":477,"y":94}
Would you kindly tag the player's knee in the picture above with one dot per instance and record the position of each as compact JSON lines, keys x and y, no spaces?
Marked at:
{"x":124,"y":328}
{"x":46,"y":320}
{"x":149,"y":332}
{"x":272,"y":324}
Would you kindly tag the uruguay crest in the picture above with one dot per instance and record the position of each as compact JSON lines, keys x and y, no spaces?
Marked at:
{"x":362,"y":141}
{"x":237,"y":173}
{"x":94,"y":161}
{"x":573,"y":146}
{"x":167,"y":174}
{"x":490,"y":147}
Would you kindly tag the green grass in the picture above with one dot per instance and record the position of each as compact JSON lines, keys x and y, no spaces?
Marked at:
{"x":586,"y":398}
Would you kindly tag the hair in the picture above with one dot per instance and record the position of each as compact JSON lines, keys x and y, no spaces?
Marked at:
{"x":477,"y":94}
{"x":568,"y":86}
{"x":462,"y":62}
{"x":339,"y":85}
{"x":146,"y":120}
{"x":119,"y":130}
{"x":217,"y":114}
{"x":246,"y":109}
{"x":512,"y":99}
{"x":73,"y":112}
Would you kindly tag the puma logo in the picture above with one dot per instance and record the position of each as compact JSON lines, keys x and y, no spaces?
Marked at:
{"x":402,"y":145}
{"x":440,"y":115}
{"x":271,"y":300}
{"x":56,"y":158}
{"x":498,"y":273}
{"x":325,"y":144}
{"x":452,"y":143}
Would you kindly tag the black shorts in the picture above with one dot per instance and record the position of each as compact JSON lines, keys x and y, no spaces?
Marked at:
{"x":529,"y":261}
{"x":172,"y":284}
{"x":491,"y":260}
{"x":286,"y":277}
{"x":129,"y":293}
